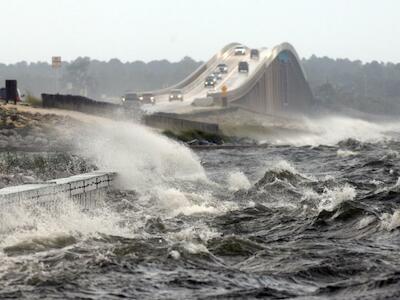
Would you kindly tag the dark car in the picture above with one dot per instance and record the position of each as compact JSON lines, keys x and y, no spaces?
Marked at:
{"x":254,"y":54}
{"x":210,"y":81}
{"x":147,"y":98}
{"x":243,"y":66}
{"x":130,"y":97}
{"x":175,"y":95}
{"x":130,"y":100}
{"x":223,"y":68}
{"x":2,"y":93}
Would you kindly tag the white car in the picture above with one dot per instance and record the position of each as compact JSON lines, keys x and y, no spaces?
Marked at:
{"x":175,"y":95}
{"x":240,"y":50}
{"x":223,"y":68}
{"x":147,"y":98}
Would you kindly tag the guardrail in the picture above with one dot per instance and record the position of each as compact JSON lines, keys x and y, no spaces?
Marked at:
{"x":79,"y":103}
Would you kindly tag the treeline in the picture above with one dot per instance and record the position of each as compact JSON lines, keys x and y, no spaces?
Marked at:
{"x":341,"y":83}
{"x":97,"y":79}
{"x":336,"y":83}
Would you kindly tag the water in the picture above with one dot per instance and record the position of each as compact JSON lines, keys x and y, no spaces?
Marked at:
{"x":311,"y":217}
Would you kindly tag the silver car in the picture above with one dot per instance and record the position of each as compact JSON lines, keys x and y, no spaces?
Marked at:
{"x":175,"y":95}
{"x":240,"y":50}
{"x":147,"y":98}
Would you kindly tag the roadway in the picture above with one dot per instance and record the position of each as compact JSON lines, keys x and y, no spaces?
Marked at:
{"x":195,"y":89}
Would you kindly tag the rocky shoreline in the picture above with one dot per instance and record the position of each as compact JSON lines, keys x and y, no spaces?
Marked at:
{"x":32,"y":132}
{"x":36,"y":147}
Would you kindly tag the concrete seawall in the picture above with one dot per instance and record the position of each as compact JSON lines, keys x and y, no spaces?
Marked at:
{"x":177,"y":123}
{"x":84,"y":189}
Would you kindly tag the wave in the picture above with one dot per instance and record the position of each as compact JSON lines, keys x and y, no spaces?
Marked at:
{"x":331,"y":199}
{"x":41,"y":228}
{"x":346,"y":153}
{"x":327,"y":130}
{"x":232,"y":246}
{"x":282,"y":171}
{"x":238,"y":181}
{"x":40,"y":243}
{"x":174,"y":202}
{"x":143,"y":158}
{"x":391,"y":221}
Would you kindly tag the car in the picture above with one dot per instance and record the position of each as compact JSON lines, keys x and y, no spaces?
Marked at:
{"x":214,"y":76}
{"x":210,"y":93}
{"x":240,"y":50}
{"x":3,"y":93}
{"x":175,"y":95}
{"x":254,"y":54}
{"x":130,"y":97}
{"x":217,"y":74}
{"x":243,"y":67}
{"x":130,"y":100}
{"x":210,"y":81}
{"x":223,"y":68}
{"x":147,"y":98}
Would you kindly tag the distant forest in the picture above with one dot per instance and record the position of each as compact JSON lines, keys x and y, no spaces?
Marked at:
{"x":97,"y":79}
{"x":341,"y":83}
{"x":336,"y":83}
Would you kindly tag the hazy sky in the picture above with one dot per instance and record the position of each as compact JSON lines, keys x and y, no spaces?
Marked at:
{"x":34,"y":30}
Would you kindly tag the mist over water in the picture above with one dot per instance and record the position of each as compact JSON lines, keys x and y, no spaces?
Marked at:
{"x":330,"y":130}
{"x":311,"y":215}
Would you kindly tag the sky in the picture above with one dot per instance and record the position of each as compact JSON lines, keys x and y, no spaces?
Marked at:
{"x":36,"y":30}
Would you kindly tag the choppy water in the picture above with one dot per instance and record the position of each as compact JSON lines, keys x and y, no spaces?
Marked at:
{"x":283,"y":221}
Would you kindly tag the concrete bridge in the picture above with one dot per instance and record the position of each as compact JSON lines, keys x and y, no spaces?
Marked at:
{"x":275,"y":84}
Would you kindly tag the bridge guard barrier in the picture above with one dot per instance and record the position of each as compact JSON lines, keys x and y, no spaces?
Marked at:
{"x":79,"y":103}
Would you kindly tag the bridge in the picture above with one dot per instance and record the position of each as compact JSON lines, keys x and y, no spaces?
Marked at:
{"x":275,"y":84}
